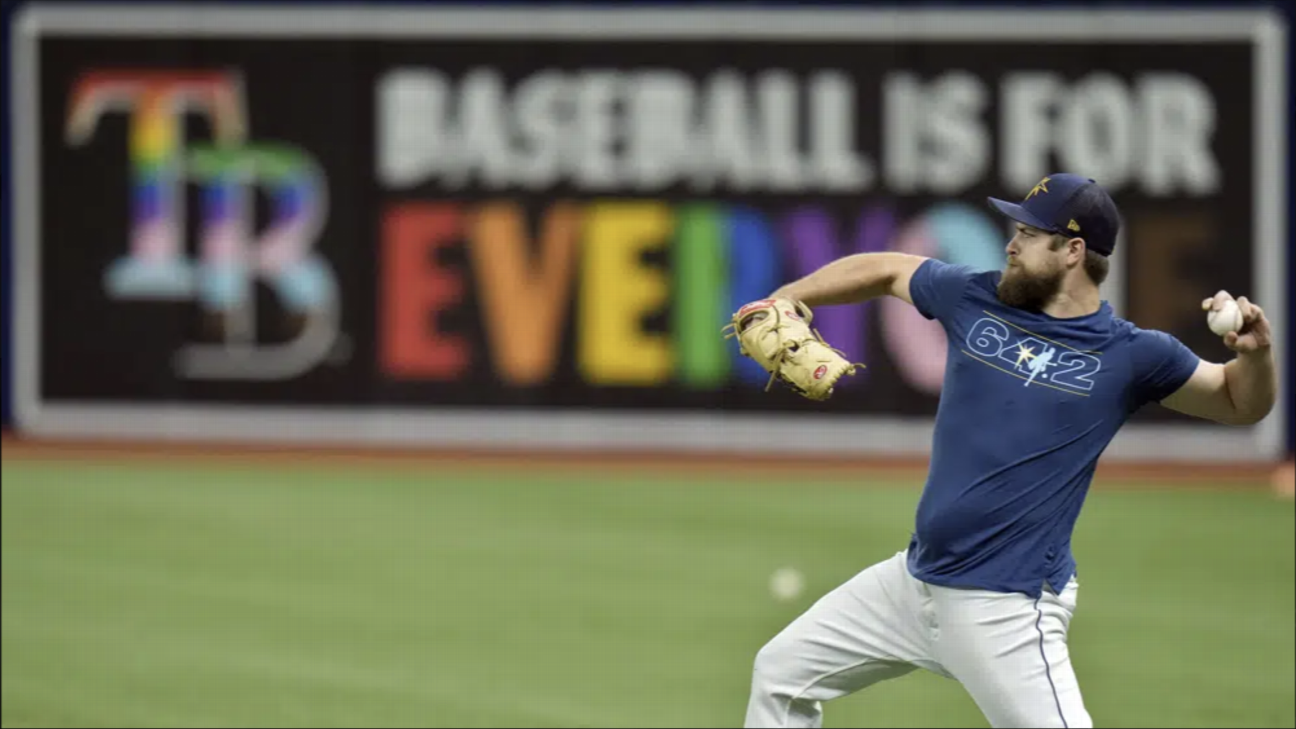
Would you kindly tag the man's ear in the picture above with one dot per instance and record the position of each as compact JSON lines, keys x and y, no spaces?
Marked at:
{"x":1076,"y":248}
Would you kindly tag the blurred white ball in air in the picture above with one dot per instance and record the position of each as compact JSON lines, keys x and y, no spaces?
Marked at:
{"x":786,"y":583}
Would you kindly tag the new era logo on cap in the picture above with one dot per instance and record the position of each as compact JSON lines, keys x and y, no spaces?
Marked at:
{"x":1068,"y":204}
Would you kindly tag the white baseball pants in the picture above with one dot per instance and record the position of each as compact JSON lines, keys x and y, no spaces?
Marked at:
{"x":1007,"y":649}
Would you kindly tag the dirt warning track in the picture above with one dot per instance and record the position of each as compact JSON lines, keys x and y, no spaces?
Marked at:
{"x":1149,"y":475}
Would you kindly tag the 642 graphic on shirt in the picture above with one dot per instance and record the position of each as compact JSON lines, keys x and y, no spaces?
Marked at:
{"x":1030,"y":357}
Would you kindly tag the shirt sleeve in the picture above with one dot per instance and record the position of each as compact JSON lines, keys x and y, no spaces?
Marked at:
{"x":936,"y":287}
{"x":1162,"y":364}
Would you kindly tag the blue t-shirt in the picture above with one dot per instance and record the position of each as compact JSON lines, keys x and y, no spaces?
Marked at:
{"x":1028,"y":405}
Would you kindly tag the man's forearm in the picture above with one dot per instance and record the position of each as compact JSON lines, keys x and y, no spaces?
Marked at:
{"x":847,"y":280}
{"x":1252,"y":383}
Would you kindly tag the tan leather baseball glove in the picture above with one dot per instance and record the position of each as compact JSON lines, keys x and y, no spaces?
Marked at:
{"x":777,"y":334}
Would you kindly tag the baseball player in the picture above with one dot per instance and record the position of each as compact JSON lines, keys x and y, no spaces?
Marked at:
{"x":1040,"y":377}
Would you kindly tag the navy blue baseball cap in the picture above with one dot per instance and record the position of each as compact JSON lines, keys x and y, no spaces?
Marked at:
{"x":1070,"y":205}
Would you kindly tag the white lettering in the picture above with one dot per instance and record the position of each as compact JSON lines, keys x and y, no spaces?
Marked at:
{"x":483,"y":140}
{"x":727,"y":144}
{"x":934,"y":136}
{"x":902,"y":125}
{"x":595,"y":131}
{"x":604,"y":130}
{"x":410,"y":108}
{"x":1155,"y":133}
{"x":832,"y":112}
{"x":778,"y":117}
{"x":959,"y":153}
{"x":1178,"y":122}
{"x":1096,"y":132}
{"x":660,"y":108}
{"x":1027,"y":127}
{"x":538,"y":110}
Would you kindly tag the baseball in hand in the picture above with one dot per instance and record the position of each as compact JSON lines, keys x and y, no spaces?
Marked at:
{"x":1228,"y":318}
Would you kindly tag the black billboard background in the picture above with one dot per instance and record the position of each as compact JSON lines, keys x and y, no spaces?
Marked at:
{"x":319,"y":95}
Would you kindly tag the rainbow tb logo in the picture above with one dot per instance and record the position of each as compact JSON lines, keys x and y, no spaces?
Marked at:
{"x":231,"y":256}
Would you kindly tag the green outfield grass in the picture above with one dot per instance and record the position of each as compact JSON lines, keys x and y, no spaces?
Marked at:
{"x":165,"y":595}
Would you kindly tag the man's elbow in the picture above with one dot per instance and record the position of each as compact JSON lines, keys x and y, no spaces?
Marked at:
{"x":1252,"y":403}
{"x":1249,"y":416}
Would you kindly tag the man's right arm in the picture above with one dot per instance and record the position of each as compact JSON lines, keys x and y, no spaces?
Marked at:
{"x":854,"y":279}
